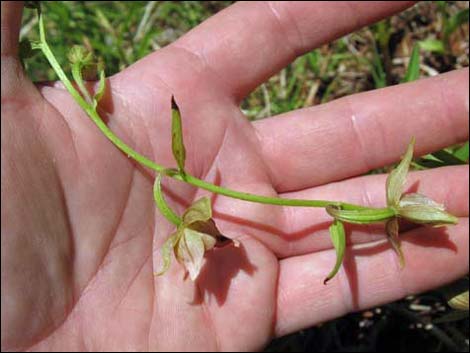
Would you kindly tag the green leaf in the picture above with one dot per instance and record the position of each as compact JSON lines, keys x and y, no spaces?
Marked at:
{"x":166,"y":251}
{"x":448,"y":158}
{"x":361,"y":216}
{"x":179,"y":152}
{"x":432,"y":45}
{"x":456,"y":21}
{"x":101,"y":89}
{"x":338,"y":237}
{"x":441,"y":5}
{"x":397,"y":177}
{"x":412,"y":72}
{"x":378,"y":73}
{"x":199,"y":211}
{"x":453,"y":316}
{"x":190,"y":252}
{"x":393,"y":237}
{"x":423,"y":214}
{"x":161,"y":203}
{"x":428,"y":161}
{"x":462,"y":152}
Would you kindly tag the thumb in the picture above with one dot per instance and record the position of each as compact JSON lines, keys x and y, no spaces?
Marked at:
{"x":14,"y":80}
{"x":11,"y":21}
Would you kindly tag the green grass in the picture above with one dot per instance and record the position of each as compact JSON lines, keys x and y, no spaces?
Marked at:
{"x":122,"y":32}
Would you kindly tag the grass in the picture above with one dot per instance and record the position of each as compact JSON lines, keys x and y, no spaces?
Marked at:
{"x":428,"y":39}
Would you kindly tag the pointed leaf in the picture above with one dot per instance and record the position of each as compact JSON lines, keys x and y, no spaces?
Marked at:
{"x":338,"y":237}
{"x":199,"y":211}
{"x":452,"y":317}
{"x":397,"y":177}
{"x":177,"y":145}
{"x":462,"y":152}
{"x":393,"y":237}
{"x":418,"y":199}
{"x":459,"y":302}
{"x":166,"y":252}
{"x":190,"y":252}
{"x":448,"y":158}
{"x":455,"y":21}
{"x":427,"y":215}
{"x":361,"y":216}
{"x":412,"y":72}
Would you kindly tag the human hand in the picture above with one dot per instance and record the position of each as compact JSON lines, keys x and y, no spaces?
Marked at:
{"x":81,"y":237}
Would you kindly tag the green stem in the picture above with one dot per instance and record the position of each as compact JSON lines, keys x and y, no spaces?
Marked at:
{"x":131,"y":153}
{"x":164,"y":208}
{"x":77,"y":76}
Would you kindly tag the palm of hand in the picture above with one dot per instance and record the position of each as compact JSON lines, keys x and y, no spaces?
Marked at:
{"x":103,"y":231}
{"x":85,"y":245}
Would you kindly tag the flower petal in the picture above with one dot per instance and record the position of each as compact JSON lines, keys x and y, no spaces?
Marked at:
{"x":393,"y":237}
{"x":166,"y":251}
{"x":427,"y":215}
{"x":199,"y":211}
{"x":418,"y":199}
{"x":397,"y":177}
{"x":190,"y":252}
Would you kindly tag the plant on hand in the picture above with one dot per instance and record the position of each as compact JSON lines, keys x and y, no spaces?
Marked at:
{"x":196,"y":231}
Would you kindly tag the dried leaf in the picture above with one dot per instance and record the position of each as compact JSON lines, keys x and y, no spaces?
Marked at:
{"x":460,"y":302}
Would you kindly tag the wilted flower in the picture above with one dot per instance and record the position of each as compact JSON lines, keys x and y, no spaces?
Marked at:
{"x":414,"y":207}
{"x":196,"y":234}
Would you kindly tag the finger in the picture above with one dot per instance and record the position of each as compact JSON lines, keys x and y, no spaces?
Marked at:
{"x":306,"y":229}
{"x":355,"y":134}
{"x":10,"y":29}
{"x":370,"y":276}
{"x":248,"y":42}
{"x":14,"y":82}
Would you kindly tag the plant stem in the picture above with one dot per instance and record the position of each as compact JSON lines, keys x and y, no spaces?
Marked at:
{"x":131,"y":153}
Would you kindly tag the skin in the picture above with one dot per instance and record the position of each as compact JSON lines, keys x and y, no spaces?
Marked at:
{"x":80,"y":235}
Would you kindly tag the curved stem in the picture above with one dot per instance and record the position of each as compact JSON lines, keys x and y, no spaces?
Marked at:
{"x":131,"y":153}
